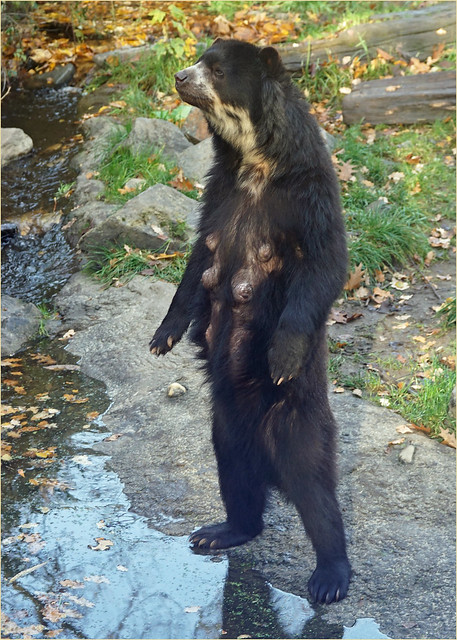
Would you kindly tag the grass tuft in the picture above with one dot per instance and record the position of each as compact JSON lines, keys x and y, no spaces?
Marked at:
{"x":116,"y":265}
{"x":385,"y":237}
{"x":425,"y":402}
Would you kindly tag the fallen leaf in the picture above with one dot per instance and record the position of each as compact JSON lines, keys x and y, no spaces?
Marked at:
{"x":72,"y":584}
{"x":345,"y":171}
{"x":396,"y":176}
{"x":82,"y":602}
{"x":113,"y":437}
{"x":96,"y":579}
{"x":82,"y":460}
{"x":10,"y":628}
{"x":46,"y":413}
{"x":11,"y":362}
{"x":355,"y":278}
{"x":448,"y":438}
{"x":42,"y":358}
{"x":102,"y":544}
{"x":400,"y":327}
{"x":53,"y":614}
{"x":69,"y":334}
{"x":63,"y":367}
{"x":362,"y":293}
{"x":400,"y":285}
{"x":404,"y":428}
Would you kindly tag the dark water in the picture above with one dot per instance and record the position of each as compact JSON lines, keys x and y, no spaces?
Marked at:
{"x":37,"y":261}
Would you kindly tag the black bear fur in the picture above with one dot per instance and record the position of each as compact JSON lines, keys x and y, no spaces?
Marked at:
{"x":269,"y":260}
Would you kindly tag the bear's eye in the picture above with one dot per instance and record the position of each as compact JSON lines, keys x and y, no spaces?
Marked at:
{"x":218,"y":73}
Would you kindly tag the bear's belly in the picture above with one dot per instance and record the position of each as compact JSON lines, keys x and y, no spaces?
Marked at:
{"x":258,"y":264}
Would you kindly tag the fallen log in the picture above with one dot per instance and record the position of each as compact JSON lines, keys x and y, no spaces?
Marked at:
{"x":402,"y":100}
{"x":410,"y":34}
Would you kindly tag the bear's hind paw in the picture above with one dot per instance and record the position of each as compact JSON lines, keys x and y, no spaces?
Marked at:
{"x":330,"y":583}
{"x":217,"y":536}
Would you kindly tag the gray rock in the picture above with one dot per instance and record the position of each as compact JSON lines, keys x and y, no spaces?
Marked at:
{"x":92,"y":101}
{"x":135,"y":183}
{"x":152,"y":134}
{"x":330,"y":141}
{"x":56,"y":78}
{"x":102,"y":127}
{"x":147,"y":221}
{"x":87,"y":190}
{"x":196,"y":161}
{"x":122,"y":54}
{"x":406,"y":454}
{"x":9,"y":229}
{"x":15,"y":143}
{"x":379,"y":206}
{"x":84,"y":218}
{"x":175,"y":390}
{"x":20,"y":322}
{"x":101,"y":131}
{"x":195,"y":127}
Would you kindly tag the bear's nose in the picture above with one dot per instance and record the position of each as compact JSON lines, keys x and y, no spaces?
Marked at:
{"x":180,"y":76}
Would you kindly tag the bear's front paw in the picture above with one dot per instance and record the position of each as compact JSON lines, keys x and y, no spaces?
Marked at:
{"x":163,"y":341}
{"x":286,"y":355}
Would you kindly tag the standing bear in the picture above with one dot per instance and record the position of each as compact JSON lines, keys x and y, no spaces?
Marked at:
{"x":269,"y":260}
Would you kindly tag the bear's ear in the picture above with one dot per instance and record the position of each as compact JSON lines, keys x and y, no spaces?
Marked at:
{"x":271,"y":61}
{"x":217,"y":40}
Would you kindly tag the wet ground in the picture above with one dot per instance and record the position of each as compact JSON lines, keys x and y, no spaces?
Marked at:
{"x":77,"y":563}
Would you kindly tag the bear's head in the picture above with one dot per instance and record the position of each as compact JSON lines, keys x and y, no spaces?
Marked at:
{"x":227,"y":84}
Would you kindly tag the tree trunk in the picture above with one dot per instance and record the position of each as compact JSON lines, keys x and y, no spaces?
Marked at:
{"x":402,"y":100}
{"x":411,"y":33}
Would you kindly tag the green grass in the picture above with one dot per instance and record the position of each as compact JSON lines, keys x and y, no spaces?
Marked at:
{"x":424,"y":401}
{"x":145,"y":80}
{"x":447,"y":312}
{"x":117,"y":265}
{"x":119,"y":164}
{"x":379,"y":238}
{"x":393,"y":233}
{"x":122,"y":165}
{"x":46,"y":314}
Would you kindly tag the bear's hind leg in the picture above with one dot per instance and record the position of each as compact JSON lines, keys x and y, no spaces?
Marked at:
{"x":243,"y":490}
{"x":306,"y":470}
